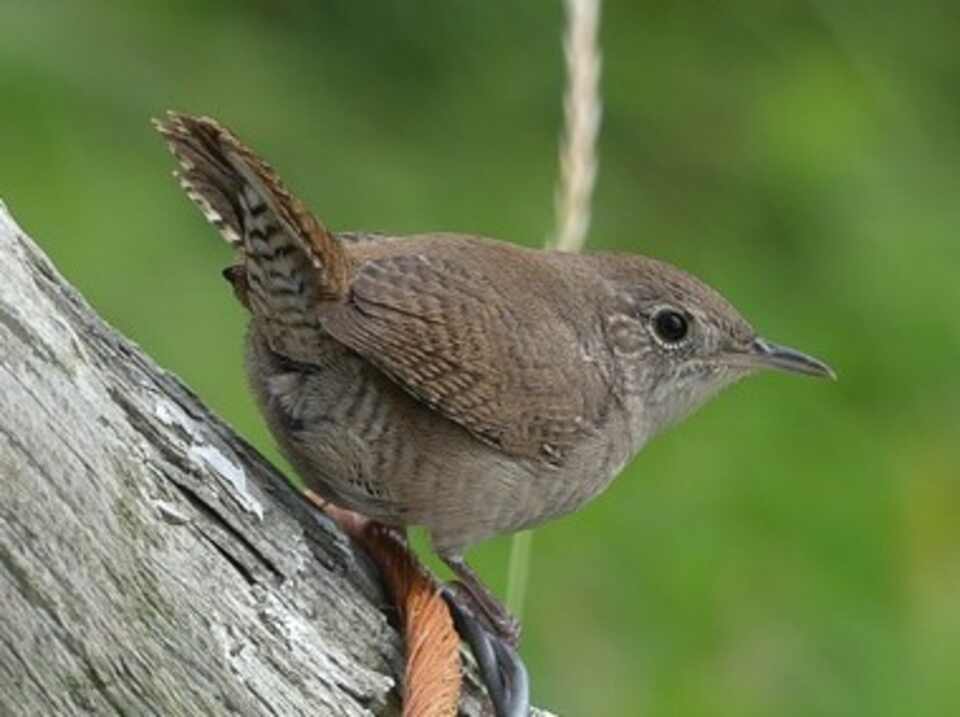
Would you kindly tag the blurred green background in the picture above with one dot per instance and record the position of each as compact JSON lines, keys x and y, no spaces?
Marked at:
{"x":793,"y":549}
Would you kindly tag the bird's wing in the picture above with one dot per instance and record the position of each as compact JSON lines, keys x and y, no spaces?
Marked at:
{"x":475,"y":346}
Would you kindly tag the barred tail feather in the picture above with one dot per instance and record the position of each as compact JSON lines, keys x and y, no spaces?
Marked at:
{"x":290,"y":264}
{"x":206,"y":176}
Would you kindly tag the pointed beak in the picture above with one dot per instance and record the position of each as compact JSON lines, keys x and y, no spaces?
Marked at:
{"x":766,"y":354}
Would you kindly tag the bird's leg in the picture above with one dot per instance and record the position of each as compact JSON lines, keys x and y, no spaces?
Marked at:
{"x":484,"y":603}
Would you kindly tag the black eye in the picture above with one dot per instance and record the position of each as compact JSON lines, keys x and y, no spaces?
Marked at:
{"x":670,"y":326}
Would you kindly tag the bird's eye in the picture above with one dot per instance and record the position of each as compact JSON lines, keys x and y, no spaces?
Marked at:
{"x":670,"y":326}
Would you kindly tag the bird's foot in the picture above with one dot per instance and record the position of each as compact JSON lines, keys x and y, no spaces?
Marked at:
{"x":501,"y":668}
{"x":354,"y":523}
{"x":484,"y":603}
{"x":484,"y":608}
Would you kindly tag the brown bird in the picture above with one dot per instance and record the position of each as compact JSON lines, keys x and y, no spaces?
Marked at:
{"x":459,"y":383}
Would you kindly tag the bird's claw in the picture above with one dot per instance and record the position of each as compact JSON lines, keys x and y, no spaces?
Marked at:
{"x":492,"y":616}
{"x":501,"y":668}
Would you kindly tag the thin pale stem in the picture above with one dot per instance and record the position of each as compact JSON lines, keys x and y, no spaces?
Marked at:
{"x":518,"y":576}
{"x":578,"y":170}
{"x":582,"y":112}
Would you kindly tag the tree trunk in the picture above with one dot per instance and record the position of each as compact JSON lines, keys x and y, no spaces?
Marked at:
{"x":151,"y":561}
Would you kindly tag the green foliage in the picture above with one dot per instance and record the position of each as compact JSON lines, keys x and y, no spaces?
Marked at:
{"x":793,"y":549}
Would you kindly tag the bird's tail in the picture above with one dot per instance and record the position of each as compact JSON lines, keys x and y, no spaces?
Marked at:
{"x":289,"y":265}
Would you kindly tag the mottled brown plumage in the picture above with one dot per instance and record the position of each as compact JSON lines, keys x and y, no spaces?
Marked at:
{"x":463,"y":384}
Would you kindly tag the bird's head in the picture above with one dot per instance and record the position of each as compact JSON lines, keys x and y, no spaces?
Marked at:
{"x":677,"y":342}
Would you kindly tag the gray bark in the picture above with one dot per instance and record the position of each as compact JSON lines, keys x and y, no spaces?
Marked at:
{"x":151,"y":562}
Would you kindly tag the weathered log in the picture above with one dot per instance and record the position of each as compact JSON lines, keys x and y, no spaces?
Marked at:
{"x":151,"y":561}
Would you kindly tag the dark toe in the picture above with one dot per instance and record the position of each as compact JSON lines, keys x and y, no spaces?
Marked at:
{"x":501,"y":668}
{"x":502,"y":624}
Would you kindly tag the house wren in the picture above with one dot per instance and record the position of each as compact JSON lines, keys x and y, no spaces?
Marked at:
{"x":459,"y":383}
